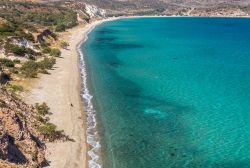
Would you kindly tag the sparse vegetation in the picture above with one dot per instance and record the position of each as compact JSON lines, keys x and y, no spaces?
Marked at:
{"x":46,"y":49}
{"x":4,"y":62}
{"x":64,"y":45}
{"x":29,"y":69}
{"x":16,"y":61}
{"x":16,"y":88}
{"x":26,"y":14}
{"x":18,"y":50}
{"x":47,"y":63}
{"x":42,"y":109}
{"x":60,"y":28}
{"x":55,"y":52}
{"x":47,"y":128}
{"x":23,"y":27}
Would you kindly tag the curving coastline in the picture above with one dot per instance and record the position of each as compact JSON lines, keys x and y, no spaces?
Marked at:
{"x":60,"y":89}
{"x":91,"y":132}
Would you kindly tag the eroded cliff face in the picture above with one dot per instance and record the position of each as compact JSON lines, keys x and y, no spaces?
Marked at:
{"x":94,"y":11}
{"x":20,"y":141}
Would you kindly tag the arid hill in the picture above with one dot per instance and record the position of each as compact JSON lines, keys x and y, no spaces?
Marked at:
{"x":175,"y":7}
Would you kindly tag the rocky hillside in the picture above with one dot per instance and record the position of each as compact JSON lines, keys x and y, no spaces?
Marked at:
{"x":20,"y":141}
{"x":24,"y":129}
{"x":30,"y":34}
{"x":29,"y":45}
{"x":175,"y":7}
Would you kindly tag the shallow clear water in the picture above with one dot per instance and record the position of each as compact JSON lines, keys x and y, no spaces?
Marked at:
{"x":171,"y":92}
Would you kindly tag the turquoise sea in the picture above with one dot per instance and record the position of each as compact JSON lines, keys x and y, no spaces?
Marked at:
{"x":170,"y":92}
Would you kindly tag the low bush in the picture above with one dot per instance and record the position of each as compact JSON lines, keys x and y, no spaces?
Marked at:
{"x":16,"y":88}
{"x":18,"y":50}
{"x":46,"y":63}
{"x":46,"y":50}
{"x":64,"y":45}
{"x":29,"y":69}
{"x":6,"y":62}
{"x":42,"y":109}
{"x":51,"y":51}
{"x":55,"y":52}
{"x":60,"y":28}
{"x":50,"y":132}
{"x":16,"y":61}
{"x":43,"y":71}
{"x":46,"y":128}
{"x":6,"y":28}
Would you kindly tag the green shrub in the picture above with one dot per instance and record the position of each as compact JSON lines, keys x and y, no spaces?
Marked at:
{"x":46,"y":50}
{"x":30,"y":68}
{"x":6,"y":62}
{"x":42,"y":109}
{"x":55,"y":52}
{"x":6,"y":28}
{"x":60,"y":28}
{"x":47,"y":63}
{"x":18,"y":50}
{"x":15,"y":49}
{"x":42,"y":119}
{"x":16,"y":88}
{"x":43,"y":71}
{"x":30,"y":51}
{"x":64,"y":45}
{"x":50,"y":132}
{"x":31,"y":57}
{"x":16,"y":61}
{"x":48,"y":129}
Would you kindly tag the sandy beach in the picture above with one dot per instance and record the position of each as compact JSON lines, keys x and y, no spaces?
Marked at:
{"x":59,"y":90}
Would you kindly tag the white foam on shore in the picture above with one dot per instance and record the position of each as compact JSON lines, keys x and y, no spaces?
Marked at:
{"x":91,"y":133}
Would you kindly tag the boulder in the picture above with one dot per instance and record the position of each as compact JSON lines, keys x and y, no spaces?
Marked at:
{"x":3,"y":77}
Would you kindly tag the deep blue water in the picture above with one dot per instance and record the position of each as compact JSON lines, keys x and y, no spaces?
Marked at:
{"x":172,"y":92}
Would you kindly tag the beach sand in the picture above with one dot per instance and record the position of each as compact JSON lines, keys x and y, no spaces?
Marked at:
{"x":59,"y":90}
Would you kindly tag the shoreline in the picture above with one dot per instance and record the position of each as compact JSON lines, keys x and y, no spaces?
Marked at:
{"x":92,"y":137}
{"x":59,"y":89}
{"x":63,"y":87}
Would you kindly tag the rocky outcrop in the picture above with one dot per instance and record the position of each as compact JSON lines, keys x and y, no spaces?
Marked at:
{"x":85,"y":10}
{"x":20,"y":142}
{"x":41,"y":37}
{"x":94,"y":11}
{"x":3,"y":77}
{"x":22,"y":42}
